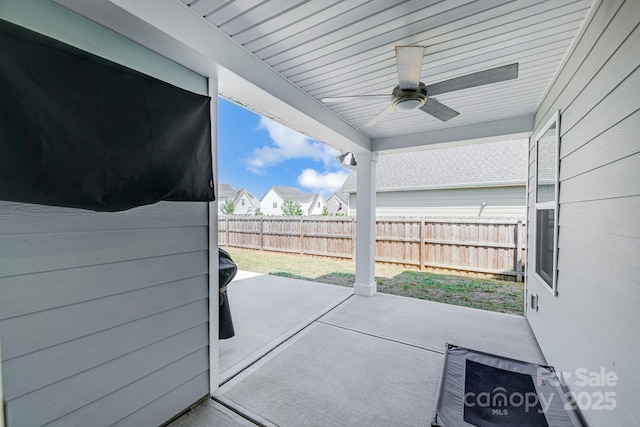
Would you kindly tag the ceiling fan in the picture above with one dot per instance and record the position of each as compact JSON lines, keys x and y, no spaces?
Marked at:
{"x":411,"y":94}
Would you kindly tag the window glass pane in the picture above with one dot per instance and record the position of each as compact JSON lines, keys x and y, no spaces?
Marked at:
{"x":544,"y":244}
{"x":546,"y":173}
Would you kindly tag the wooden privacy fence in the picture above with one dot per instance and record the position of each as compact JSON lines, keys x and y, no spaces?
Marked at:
{"x":482,"y":247}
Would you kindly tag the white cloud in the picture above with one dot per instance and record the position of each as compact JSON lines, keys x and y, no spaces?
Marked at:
{"x":287,"y":144}
{"x":326,"y":182}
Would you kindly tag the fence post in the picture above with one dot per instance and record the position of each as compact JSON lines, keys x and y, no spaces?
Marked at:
{"x":261,"y":245}
{"x":518,"y":254}
{"x":227,"y":233}
{"x":301,"y":235}
{"x":421,"y":250}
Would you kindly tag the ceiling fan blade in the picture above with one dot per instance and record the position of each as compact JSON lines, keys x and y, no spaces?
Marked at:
{"x":355,"y":98}
{"x":409,"y":62}
{"x":381,"y":115}
{"x":438,"y":110}
{"x":493,"y":75}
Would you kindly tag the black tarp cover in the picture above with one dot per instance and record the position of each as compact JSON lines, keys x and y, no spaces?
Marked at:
{"x":80,"y":131}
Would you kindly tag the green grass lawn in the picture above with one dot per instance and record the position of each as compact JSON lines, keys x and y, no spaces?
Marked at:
{"x":486,"y":294}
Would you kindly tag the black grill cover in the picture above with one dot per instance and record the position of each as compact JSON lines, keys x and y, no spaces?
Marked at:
{"x":80,"y":131}
{"x":227,"y":270}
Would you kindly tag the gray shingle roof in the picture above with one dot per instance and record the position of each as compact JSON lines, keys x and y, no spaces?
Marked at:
{"x":473,"y":165}
{"x":293,"y":193}
{"x":225,"y":191}
{"x":341,"y":196}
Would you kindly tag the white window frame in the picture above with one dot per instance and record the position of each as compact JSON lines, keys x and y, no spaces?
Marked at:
{"x":554,"y":204}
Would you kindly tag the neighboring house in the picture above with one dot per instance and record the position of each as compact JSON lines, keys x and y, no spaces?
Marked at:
{"x":244,"y":202}
{"x":271,"y":203}
{"x":337,"y":204}
{"x":485,"y":180}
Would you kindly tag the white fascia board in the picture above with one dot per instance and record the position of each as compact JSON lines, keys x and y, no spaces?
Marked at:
{"x":170,"y":28}
{"x":478,"y":133}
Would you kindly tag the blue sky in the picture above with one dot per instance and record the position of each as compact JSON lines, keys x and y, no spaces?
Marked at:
{"x":256,"y":153}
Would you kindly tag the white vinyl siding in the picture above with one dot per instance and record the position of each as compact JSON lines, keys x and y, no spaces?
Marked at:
{"x":271,"y":204}
{"x":246,"y":205}
{"x":593,"y":322}
{"x":314,"y":207}
{"x":124,"y":296}
{"x":503,"y":202}
{"x":104,"y":316}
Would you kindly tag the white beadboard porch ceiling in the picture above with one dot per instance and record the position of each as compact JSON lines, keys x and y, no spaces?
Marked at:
{"x":332,"y":48}
{"x":282,"y":57}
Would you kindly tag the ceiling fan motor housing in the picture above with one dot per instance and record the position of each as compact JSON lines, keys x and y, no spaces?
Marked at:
{"x":409,"y":99}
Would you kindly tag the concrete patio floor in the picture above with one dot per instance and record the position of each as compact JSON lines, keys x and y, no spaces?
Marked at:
{"x":309,"y":354}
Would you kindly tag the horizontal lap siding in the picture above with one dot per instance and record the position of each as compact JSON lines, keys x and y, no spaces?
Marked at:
{"x":592,"y":323}
{"x":466,"y":202}
{"x":98,"y":322}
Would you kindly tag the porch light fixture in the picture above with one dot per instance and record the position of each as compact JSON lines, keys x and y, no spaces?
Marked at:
{"x":347,"y":160}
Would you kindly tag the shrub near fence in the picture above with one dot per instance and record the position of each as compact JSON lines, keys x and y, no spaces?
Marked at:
{"x":482,"y":247}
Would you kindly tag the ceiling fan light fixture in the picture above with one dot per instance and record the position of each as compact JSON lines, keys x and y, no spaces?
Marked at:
{"x":408,"y":100}
{"x":409,"y":104}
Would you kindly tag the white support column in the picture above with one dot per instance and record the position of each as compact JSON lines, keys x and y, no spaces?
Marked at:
{"x":366,"y":225}
{"x":214,"y":302}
